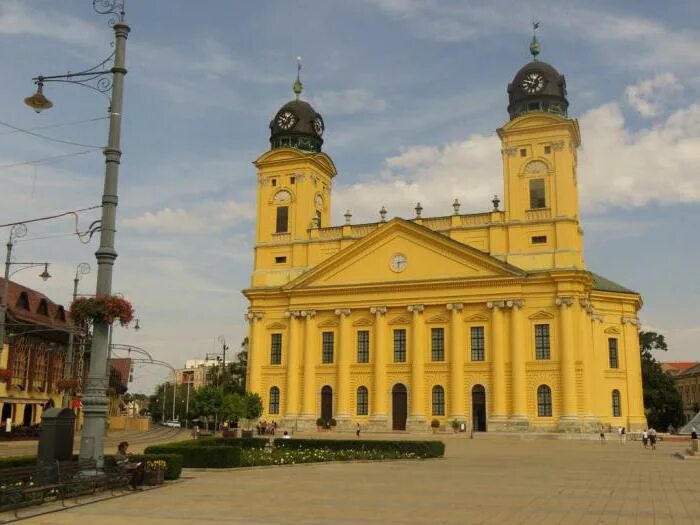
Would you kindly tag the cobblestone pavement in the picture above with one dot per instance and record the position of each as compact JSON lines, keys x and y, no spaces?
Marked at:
{"x":481,"y":481}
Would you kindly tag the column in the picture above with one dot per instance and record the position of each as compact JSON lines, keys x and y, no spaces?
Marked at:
{"x":345,"y":349}
{"x":585,"y":337}
{"x":633,"y":366}
{"x":456,"y":358}
{"x":292,"y":390}
{"x":379,"y":418}
{"x":568,"y":420}
{"x":308,"y":411}
{"x":519,"y":418}
{"x":416,"y":413}
{"x":256,"y":353}
{"x":600,"y":360}
{"x":498,"y":367}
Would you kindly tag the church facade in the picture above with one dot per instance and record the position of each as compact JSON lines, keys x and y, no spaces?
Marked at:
{"x":489,"y":319}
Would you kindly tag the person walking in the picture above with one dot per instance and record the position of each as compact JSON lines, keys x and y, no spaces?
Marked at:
{"x":652,"y":438}
{"x":645,"y":438}
{"x":357,"y":431}
{"x":602,"y":435}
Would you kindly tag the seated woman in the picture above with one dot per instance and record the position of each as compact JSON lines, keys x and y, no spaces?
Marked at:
{"x":135,"y":470}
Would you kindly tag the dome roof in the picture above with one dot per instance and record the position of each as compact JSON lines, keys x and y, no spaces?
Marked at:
{"x":537,"y":86}
{"x":297,"y":125}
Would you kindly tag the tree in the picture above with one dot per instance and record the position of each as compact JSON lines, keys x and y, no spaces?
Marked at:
{"x":663,"y":402}
{"x":231,"y":378}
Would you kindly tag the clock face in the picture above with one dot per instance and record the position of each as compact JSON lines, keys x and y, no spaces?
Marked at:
{"x":532,"y":83}
{"x":286,"y":120}
{"x":318,"y":126}
{"x":398,"y":262}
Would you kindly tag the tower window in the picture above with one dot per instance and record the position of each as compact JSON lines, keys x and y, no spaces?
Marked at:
{"x":523,"y":152}
{"x":274,"y":182}
{"x":533,"y":106}
{"x":291,"y":180}
{"x":280,"y":260}
{"x":537,"y":199}
{"x":547,"y":150}
{"x":282,"y":219}
{"x":539,"y":239}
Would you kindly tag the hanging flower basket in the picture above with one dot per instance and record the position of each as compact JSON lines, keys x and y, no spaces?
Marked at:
{"x":67,"y":384}
{"x":107,"y":308}
{"x":5,"y":375}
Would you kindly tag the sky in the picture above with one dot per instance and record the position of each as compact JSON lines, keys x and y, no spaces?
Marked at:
{"x":411,"y":92}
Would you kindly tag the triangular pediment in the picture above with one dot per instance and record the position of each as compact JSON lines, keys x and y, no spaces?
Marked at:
{"x":328,"y":323}
{"x":276,"y":326}
{"x":437,"y":319}
{"x":541,"y":314}
{"x":363,"y":321}
{"x":476,"y":318}
{"x":402,"y":251}
{"x":401,"y":319}
{"x":612,"y":330}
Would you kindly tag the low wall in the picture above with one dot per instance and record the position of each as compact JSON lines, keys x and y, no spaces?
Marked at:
{"x":141,"y":424}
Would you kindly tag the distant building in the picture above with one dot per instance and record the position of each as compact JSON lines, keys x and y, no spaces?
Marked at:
{"x":686,"y":376}
{"x":194,"y":373}
{"x":33,"y":357}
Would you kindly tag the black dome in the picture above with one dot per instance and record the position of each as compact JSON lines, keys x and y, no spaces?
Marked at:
{"x":537,"y":87}
{"x":297,"y":125}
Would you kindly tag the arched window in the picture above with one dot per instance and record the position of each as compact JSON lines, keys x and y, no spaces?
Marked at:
{"x":274,"y":407}
{"x":537,"y":196}
{"x":61,"y":313}
{"x":617,"y":411}
{"x":43,"y":307}
{"x":362,"y":401}
{"x":438,"y":401}
{"x":23,"y":301}
{"x":544,"y":401}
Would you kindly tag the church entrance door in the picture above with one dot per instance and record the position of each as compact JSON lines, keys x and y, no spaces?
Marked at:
{"x":399,"y":406}
{"x":326,"y":403}
{"x":479,"y":408}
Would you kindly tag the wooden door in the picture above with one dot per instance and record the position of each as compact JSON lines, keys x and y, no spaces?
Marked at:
{"x":326,"y":403}
{"x":479,"y":408}
{"x":399,"y":407}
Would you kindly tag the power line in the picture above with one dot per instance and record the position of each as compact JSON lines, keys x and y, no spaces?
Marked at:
{"x":51,"y":126}
{"x":46,"y":160}
{"x":48,"y":217}
{"x":52,"y":139}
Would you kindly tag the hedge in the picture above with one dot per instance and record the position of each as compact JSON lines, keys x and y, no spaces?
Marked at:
{"x":231,"y":442}
{"x":423,"y":449}
{"x":17,"y":461}
{"x":200,"y":456}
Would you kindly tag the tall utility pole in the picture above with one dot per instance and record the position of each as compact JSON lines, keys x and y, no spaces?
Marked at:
{"x":82,"y":269}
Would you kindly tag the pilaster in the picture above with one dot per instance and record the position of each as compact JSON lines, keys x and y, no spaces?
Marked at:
{"x":343,"y":415}
{"x":307,"y":420}
{"x":568,"y":420}
{"x":497,"y":420}
{"x":519,"y":418}
{"x":635,"y":397}
{"x":591,"y":422}
{"x":292,"y":397}
{"x":456,"y":358}
{"x":256,"y":352}
{"x":379,"y":418}
{"x":417,"y":421}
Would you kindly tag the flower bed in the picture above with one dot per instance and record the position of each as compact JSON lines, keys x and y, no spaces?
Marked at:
{"x":198,"y":456}
{"x":421,"y":449}
{"x":282,"y":456}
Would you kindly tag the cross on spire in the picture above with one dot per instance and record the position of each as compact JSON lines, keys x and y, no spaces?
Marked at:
{"x":298,"y":86}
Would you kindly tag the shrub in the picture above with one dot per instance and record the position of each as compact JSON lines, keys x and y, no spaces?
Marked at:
{"x":285,"y":456}
{"x":230,"y":442}
{"x":201,"y":456}
{"x":422,"y":449}
{"x":17,"y":461}
{"x":333,"y":422}
{"x":320,"y":422}
{"x":435,"y":423}
{"x":455,"y":425}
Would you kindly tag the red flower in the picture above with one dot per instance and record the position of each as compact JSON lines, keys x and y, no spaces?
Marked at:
{"x":107,"y":308}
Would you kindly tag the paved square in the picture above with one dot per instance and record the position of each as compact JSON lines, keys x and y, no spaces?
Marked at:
{"x":485,"y":480}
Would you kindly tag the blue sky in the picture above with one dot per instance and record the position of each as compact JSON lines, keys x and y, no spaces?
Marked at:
{"x":411,"y":92}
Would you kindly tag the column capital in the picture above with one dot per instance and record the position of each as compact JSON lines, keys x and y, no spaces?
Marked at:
{"x":495,"y":304}
{"x":251,"y":315}
{"x":564,"y":301}
{"x":309,"y":314}
{"x":515,"y":303}
{"x":292,"y":314}
{"x":415,"y":308}
{"x":342,"y":312}
{"x":457,"y":307}
{"x":584,"y":302}
{"x":630,"y":320}
{"x":597,"y":317}
{"x":377,"y":310}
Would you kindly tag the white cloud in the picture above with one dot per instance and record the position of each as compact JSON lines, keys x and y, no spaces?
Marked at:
{"x":18,"y":19}
{"x":617,"y":168}
{"x":168,"y":221}
{"x":349,"y":102}
{"x":650,"y":96}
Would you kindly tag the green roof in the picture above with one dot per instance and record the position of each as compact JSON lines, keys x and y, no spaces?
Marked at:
{"x":606,"y":285}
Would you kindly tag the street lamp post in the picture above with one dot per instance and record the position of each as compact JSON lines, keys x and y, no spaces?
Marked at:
{"x":80,"y":270}
{"x":95,"y":403}
{"x":17,"y":231}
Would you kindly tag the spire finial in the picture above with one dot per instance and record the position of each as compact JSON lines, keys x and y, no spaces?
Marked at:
{"x":298,"y":86}
{"x":535,"y":45}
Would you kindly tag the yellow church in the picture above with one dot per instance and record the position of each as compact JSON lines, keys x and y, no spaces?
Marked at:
{"x":488,"y":319}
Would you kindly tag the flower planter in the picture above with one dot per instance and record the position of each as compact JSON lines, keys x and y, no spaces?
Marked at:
{"x":153,"y":477}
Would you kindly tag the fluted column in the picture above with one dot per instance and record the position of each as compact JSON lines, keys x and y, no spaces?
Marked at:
{"x":568,"y":419}
{"x":256,"y":353}
{"x":343,"y":368}
{"x":519,"y":417}
{"x":416,"y":418}
{"x":498,"y":366}
{"x":292,"y":397}
{"x":456,"y":358}
{"x":308,"y":411}
{"x":379,"y":418}
{"x":633,"y":366}
{"x":585,"y":337}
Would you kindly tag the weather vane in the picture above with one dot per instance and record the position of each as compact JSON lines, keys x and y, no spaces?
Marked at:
{"x":535,"y":45}
{"x":298,"y":86}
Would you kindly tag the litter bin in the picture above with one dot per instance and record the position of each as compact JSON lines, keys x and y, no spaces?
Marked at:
{"x":55,"y":439}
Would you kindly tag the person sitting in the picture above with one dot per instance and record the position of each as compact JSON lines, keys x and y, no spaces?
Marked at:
{"x":135,"y":470}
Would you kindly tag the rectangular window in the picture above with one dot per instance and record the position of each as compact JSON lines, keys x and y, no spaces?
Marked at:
{"x":523,"y":152}
{"x":318,"y":218}
{"x":274,"y":182}
{"x":282,"y":219}
{"x":291,"y":180}
{"x":327,"y":350}
{"x":400,"y":345}
{"x":612,"y":352}
{"x":280,"y":260}
{"x":547,"y":150}
{"x":537,"y":197}
{"x":437,"y":344}
{"x":541,"y":341}
{"x":539,"y":239}
{"x":363,"y":346}
{"x":276,"y":349}
{"x":477,"y":333}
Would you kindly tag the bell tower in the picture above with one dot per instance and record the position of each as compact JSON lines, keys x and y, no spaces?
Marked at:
{"x":539,"y":150}
{"x":294,"y":191}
